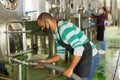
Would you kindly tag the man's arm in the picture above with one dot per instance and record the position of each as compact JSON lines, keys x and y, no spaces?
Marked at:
{"x":68,"y":72}
{"x":52,"y":59}
{"x":74,"y":62}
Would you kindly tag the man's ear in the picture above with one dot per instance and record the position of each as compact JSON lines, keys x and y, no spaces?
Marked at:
{"x":38,"y":22}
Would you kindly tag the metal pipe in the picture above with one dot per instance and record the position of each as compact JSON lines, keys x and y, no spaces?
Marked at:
{"x":24,"y":42}
{"x":20,"y":53}
{"x":79,"y":20}
{"x":20,"y":72}
{"x":61,"y":69}
{"x":28,"y":31}
{"x":52,"y":50}
{"x":21,"y":62}
{"x":58,"y":68}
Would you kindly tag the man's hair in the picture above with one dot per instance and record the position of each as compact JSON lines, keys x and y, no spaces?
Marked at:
{"x":43,"y":16}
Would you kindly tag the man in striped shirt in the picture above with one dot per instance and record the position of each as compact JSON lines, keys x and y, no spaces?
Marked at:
{"x":69,"y":37}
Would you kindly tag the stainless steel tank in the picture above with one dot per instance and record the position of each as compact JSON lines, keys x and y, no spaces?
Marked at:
{"x":10,"y":40}
{"x":10,"y":4}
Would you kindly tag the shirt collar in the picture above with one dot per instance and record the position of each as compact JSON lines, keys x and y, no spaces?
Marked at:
{"x":59,"y":24}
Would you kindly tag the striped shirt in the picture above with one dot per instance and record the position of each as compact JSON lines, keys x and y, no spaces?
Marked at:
{"x":70,"y":34}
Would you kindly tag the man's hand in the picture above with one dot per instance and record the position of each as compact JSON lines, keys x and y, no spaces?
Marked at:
{"x":68,"y":72}
{"x":40,"y":64}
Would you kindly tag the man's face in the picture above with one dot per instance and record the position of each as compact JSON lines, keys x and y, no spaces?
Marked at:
{"x":44,"y":26}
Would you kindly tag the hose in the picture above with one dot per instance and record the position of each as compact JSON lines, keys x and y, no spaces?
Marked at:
{"x":58,"y":68}
{"x":61,"y":69}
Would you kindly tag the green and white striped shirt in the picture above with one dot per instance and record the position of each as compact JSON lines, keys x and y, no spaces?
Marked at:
{"x":70,"y":34}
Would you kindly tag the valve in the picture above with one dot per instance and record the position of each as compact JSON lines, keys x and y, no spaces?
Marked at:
{"x":28,"y":12}
{"x":26,"y":17}
{"x":35,"y":48}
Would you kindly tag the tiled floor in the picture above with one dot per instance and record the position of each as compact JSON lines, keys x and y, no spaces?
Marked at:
{"x":108,"y":60}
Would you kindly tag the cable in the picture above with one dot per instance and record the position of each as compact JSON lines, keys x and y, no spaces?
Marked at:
{"x":116,"y":67}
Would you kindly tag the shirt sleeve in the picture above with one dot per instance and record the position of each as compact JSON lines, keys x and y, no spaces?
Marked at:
{"x":101,"y":22}
{"x":94,"y":16}
{"x":60,"y":50}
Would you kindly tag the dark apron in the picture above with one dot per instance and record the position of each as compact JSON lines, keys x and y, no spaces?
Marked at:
{"x":83,"y":67}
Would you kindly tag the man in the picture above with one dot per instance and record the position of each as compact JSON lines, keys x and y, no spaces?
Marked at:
{"x":68,"y":36}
